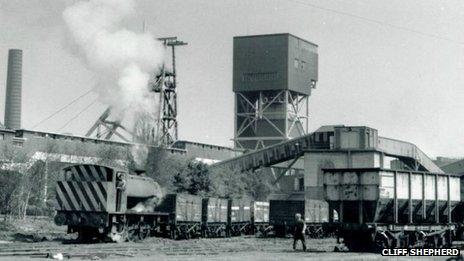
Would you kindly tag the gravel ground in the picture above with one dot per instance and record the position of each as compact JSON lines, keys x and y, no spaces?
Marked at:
{"x":41,"y":237}
{"x":242,"y":248}
{"x":31,"y":229}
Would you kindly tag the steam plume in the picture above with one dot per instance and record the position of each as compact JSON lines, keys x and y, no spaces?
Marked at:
{"x":122,"y":60}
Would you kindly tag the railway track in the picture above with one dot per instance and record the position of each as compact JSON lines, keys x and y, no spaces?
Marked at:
{"x":105,"y":250}
{"x":165,"y":247}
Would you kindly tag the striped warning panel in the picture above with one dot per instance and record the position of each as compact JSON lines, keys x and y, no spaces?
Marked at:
{"x":86,"y":172}
{"x":81,"y":195}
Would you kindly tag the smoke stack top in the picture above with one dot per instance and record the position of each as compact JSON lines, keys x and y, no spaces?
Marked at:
{"x":13,"y":89}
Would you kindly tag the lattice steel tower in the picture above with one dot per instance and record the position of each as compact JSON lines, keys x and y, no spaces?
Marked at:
{"x":273,"y":76}
{"x":166,"y":86}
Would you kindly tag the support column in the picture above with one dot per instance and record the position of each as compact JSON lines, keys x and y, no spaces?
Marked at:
{"x":286,"y":113}
{"x":395,"y":197}
{"x":437,"y":211}
{"x":410,"y":214}
{"x":424,"y":202}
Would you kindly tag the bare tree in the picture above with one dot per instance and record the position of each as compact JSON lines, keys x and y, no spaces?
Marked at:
{"x":144,"y":130}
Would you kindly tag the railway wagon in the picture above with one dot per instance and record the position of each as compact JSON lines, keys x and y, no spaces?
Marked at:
{"x":102,"y":202}
{"x":260,"y":217}
{"x":185,"y":216}
{"x":239,"y":217}
{"x":214,"y":217}
{"x":380,"y":208}
{"x":282,"y":216}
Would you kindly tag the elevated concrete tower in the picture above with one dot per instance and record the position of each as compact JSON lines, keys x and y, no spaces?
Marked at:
{"x":273,"y":76}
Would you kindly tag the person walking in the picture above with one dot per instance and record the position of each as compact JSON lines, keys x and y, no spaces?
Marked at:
{"x":299,"y":231}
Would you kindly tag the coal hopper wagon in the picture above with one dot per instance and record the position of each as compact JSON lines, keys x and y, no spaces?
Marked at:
{"x":185,"y":216}
{"x":248,"y":217}
{"x":239,"y":217}
{"x":214,"y":217}
{"x":381,"y":208}
{"x":260,"y":218}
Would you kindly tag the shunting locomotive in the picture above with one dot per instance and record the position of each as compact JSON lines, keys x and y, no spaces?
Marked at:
{"x":99,"y":201}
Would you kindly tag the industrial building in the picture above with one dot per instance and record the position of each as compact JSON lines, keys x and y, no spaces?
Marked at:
{"x":273,"y":77}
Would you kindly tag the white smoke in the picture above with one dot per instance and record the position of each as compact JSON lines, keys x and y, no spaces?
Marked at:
{"x":123,"y":61}
{"x":139,"y":154}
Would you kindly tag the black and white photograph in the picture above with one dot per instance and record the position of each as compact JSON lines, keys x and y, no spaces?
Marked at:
{"x":231,"y":130}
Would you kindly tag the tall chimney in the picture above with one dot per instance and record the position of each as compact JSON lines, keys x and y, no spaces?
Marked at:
{"x":13,"y":89}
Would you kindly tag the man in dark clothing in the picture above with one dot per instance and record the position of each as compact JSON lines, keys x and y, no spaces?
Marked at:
{"x":299,"y":231}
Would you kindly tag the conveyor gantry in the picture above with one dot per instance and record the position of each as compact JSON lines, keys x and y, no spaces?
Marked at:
{"x":294,"y":148}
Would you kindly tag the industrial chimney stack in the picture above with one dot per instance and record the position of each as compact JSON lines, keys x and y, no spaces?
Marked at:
{"x":13,"y":89}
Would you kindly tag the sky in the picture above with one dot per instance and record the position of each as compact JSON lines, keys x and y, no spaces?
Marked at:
{"x":396,"y":65}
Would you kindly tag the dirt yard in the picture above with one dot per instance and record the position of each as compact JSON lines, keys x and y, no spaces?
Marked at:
{"x":240,"y":248}
{"x":39,"y":239}
{"x":31,"y":229}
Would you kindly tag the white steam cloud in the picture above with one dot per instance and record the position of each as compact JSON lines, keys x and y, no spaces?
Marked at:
{"x":122,"y":60}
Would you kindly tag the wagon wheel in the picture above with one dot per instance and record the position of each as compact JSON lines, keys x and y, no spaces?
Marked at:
{"x":442,"y":240}
{"x":133,"y":234}
{"x":172,"y":232}
{"x":418,"y":239}
{"x":434,"y":241}
{"x":448,"y":238}
{"x":187,"y":232}
{"x":144,"y":232}
{"x":176,"y":232}
{"x":382,"y":242}
{"x":221,"y":233}
{"x":319,"y":233}
{"x":120,"y":235}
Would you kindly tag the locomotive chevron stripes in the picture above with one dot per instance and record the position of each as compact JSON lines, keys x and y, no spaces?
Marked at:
{"x":81,"y":195}
{"x":85,"y":188}
{"x":88,"y":173}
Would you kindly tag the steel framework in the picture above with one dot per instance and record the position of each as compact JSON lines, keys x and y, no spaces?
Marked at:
{"x":165,"y":85}
{"x":104,"y":128}
{"x":265,"y":118}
